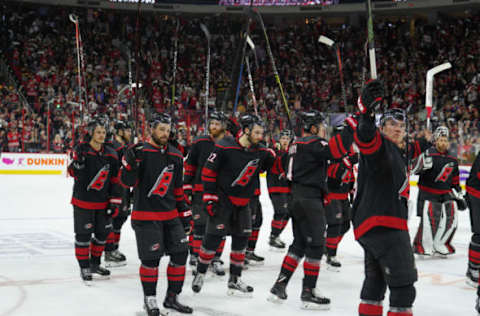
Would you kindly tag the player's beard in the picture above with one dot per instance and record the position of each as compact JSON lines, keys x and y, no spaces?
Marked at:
{"x":442,"y":148}
{"x":162,"y":141}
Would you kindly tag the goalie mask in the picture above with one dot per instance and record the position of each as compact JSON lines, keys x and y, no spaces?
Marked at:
{"x":441,"y":131}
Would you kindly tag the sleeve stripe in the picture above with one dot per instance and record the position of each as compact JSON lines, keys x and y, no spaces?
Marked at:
{"x":340,"y":145}
{"x":377,"y":142}
{"x":207,"y":179}
{"x":210,"y":197}
{"x":334,"y":148}
{"x":361,"y":144}
{"x":208,"y":172}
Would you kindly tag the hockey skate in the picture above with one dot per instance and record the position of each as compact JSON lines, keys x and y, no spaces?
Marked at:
{"x":115,"y":259}
{"x":150,"y":307}
{"x":477,"y":306}
{"x":217,"y":267}
{"x":99,"y":273}
{"x":253,"y":259}
{"x":86,"y":276}
{"x":310,"y":300}
{"x":472,"y":277}
{"x":333,"y":264}
{"x":237,"y":287}
{"x":276,"y":244}
{"x":197,"y":282}
{"x":171,"y":302}
{"x":278,"y":292}
{"x":193,"y":261}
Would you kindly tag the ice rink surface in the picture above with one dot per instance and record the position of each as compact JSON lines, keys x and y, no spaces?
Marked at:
{"x":39,"y":274}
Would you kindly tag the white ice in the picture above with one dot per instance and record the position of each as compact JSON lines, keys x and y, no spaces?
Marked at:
{"x":39,"y":274}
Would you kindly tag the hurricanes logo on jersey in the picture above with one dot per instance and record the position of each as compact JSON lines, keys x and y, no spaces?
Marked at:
{"x":162,"y":184}
{"x":98,"y":182}
{"x":248,"y":171}
{"x":445,"y":173}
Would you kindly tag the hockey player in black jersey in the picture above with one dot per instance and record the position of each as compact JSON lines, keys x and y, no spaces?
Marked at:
{"x":201,"y":148}
{"x":95,"y":197}
{"x":279,"y":191}
{"x":307,"y":170}
{"x":473,"y":201}
{"x":340,"y":184}
{"x":113,"y":257}
{"x":160,"y":216}
{"x":229,"y":183}
{"x":257,"y":220}
{"x":440,"y":195}
{"x":380,"y":210}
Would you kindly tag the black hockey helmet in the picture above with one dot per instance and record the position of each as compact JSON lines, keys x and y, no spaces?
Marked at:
{"x":160,"y":118}
{"x":249,"y":120}
{"x":217,"y":116}
{"x":120,"y":125}
{"x":393,"y":114}
{"x":311,"y":118}
{"x":97,"y":120}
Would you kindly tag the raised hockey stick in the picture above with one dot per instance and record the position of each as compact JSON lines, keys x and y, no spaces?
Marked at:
{"x":249,"y":72}
{"x":371,"y":42}
{"x":274,"y":67}
{"x":137,"y":67}
{"x":175,"y":52}
{"x":207,"y":75}
{"x":429,"y":88}
{"x":329,"y":42}
{"x":80,"y":67}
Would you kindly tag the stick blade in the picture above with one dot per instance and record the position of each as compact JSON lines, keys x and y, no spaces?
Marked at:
{"x":205,"y":30}
{"x":250,"y":43}
{"x":325,"y":40}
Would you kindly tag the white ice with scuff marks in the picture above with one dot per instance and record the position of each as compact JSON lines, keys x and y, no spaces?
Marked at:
{"x":39,"y":274}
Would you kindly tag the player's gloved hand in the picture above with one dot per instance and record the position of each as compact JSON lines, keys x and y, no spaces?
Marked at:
{"x":187,"y":192}
{"x":460,"y":199}
{"x":186,"y":218}
{"x":78,"y":157}
{"x":133,"y":156}
{"x":211,"y":201}
{"x":232,"y":126}
{"x":372,"y":97}
{"x":351,"y":123}
{"x":427,"y":163}
{"x":113,"y":208}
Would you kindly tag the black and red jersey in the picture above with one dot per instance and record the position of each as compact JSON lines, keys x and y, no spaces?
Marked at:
{"x":383,"y":185}
{"x":118,"y":147}
{"x":277,"y":183}
{"x":308,"y":159}
{"x":341,"y":177}
{"x":97,"y":183}
{"x":232,"y":170}
{"x":473,"y":181}
{"x":201,"y":148}
{"x":436,"y":183}
{"x":158,"y":183}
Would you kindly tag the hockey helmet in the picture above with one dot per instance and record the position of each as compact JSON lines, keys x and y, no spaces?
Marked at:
{"x":393,"y":114}
{"x":249,"y":120}
{"x":97,"y":120}
{"x":160,"y":118}
{"x":217,"y":116}
{"x":441,"y":131}
{"x":311,"y":118}
{"x":286,"y":132}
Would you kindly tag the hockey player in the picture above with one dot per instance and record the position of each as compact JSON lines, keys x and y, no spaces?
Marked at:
{"x":229,"y":183}
{"x":160,"y":216}
{"x":201,"y":148}
{"x":473,"y":200}
{"x":95,"y":197}
{"x":120,"y":142}
{"x":307,"y":166}
{"x":279,"y":191}
{"x":380,"y":210}
{"x":438,"y":197}
{"x":340,"y":183}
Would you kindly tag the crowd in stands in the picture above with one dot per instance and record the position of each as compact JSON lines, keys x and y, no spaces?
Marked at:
{"x":40,"y":49}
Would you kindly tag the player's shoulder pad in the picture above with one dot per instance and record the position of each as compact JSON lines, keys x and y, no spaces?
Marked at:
{"x":227,"y":142}
{"x":172,"y":151}
{"x":201,"y":138}
{"x":109,"y":151}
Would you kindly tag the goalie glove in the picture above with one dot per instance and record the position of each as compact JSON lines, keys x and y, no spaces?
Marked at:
{"x":460,"y":199}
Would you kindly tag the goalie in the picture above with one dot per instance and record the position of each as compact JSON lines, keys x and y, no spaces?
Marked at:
{"x":439,"y":197}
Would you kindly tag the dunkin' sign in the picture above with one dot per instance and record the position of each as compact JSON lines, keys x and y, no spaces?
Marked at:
{"x":32,"y":163}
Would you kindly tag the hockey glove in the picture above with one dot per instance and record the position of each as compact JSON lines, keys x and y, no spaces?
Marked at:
{"x":351,"y":123}
{"x":211,"y":208}
{"x":113,"y":207}
{"x":78,"y":157}
{"x":459,"y":199}
{"x":187,"y":192}
{"x":186,"y":218}
{"x":133,"y":156}
{"x":371,"y":98}
{"x":232,"y":126}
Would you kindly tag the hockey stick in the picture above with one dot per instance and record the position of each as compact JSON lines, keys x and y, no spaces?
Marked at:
{"x":137,"y":69}
{"x":371,"y":42}
{"x":274,"y":67}
{"x":175,"y":52}
{"x":329,"y":42}
{"x":80,"y":66}
{"x":207,"y":75}
{"x":250,"y":80}
{"x":429,"y":88}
